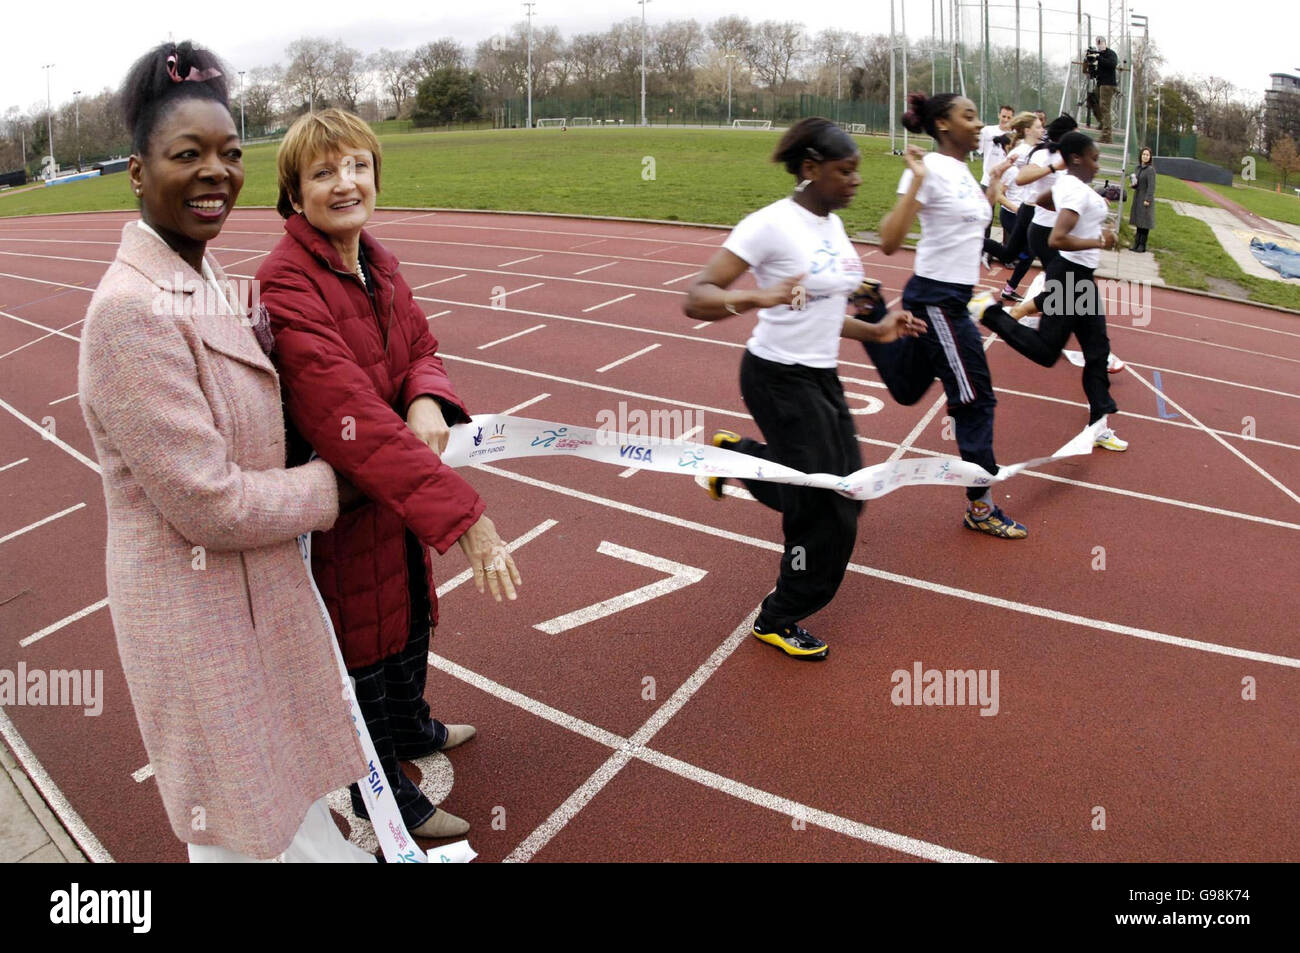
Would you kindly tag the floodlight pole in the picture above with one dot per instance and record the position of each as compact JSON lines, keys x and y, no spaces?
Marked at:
{"x":643,"y":3}
{"x":530,"y":62}
{"x":729,"y":58}
{"x":241,"y":104}
{"x":49,"y":108}
{"x":76,"y":107}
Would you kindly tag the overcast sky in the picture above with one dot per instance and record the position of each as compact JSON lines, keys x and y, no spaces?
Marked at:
{"x":92,"y":44}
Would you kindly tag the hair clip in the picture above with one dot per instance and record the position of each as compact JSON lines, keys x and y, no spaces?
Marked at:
{"x":814,"y":154}
{"x":195,"y":75}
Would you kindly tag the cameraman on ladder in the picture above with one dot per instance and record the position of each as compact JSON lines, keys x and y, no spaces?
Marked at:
{"x":1104,"y":64}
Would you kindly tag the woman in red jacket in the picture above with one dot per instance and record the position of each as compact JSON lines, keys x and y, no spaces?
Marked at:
{"x":364,"y":387}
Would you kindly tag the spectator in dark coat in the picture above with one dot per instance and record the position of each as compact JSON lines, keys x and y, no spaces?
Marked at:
{"x":364,"y":386}
{"x":1143,"y":216}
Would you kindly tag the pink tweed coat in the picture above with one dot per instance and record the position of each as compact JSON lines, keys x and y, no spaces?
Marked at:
{"x":225,"y":652}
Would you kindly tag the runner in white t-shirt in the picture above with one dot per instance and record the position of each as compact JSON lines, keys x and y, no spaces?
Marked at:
{"x":1070,"y":301}
{"x":1015,"y":213}
{"x":806,"y":268}
{"x":953,"y":209}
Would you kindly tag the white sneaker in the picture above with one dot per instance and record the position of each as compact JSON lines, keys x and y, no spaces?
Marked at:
{"x":979,"y":303}
{"x":1074,"y":357}
{"x":1031,"y":321}
{"x":1113,"y":364}
{"x":1108,"y":441}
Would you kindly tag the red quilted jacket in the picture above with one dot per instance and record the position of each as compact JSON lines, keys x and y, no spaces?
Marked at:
{"x":349,"y":371}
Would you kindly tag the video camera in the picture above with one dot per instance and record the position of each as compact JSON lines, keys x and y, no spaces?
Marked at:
{"x":1090,"y":60}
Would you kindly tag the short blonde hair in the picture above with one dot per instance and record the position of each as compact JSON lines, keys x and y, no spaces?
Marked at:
{"x":313,"y":135}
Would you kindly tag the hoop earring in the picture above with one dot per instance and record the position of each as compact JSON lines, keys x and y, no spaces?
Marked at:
{"x":803,"y":185}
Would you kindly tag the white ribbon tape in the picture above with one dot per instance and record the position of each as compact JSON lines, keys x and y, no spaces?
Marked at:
{"x":498,"y":437}
{"x":398,"y":845}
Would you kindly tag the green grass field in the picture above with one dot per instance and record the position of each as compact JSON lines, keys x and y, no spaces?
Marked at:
{"x":699,"y":175}
{"x":1280,"y":206}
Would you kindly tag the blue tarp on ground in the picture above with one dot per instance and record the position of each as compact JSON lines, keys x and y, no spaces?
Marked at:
{"x":1282,"y":260}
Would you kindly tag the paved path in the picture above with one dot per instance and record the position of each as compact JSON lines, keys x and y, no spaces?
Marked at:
{"x":1249,"y":218}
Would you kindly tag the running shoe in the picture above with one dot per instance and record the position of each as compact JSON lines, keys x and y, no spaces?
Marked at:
{"x":794,"y":641}
{"x":1108,"y":441}
{"x":995,"y":523}
{"x":1113,"y":364}
{"x":727,"y":440}
{"x":980,"y":303}
{"x":1010,"y":294}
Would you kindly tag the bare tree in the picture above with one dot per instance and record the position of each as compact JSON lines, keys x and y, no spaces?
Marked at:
{"x":731,"y":34}
{"x":347,"y":77}
{"x":676,"y":52}
{"x":591,"y":58}
{"x":774,"y":51}
{"x":308,"y":73}
{"x":263,"y":99}
{"x":431,"y":57}
{"x":396,"y":75}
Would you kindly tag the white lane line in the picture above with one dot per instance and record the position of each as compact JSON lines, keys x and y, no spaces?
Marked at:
{"x":518,"y":261}
{"x":867,"y":254}
{"x":535,"y":284}
{"x":586,"y":244}
{"x":630,"y":471}
{"x":624,"y":360}
{"x":673,"y":281}
{"x":1214,"y":380}
{"x":660,"y":251}
{"x":14,"y":464}
{"x":440,"y":281}
{"x":62,"y":399}
{"x":42,"y":281}
{"x":468,"y":574}
{"x":140,"y":775}
{"x":727,"y":489}
{"x":1245,"y":459}
{"x":702,"y":324}
{"x":889,"y":444}
{"x":46,"y":435}
{"x":603,"y":304}
{"x":68,"y":620}
{"x":41,"y":780}
{"x":595,"y":268}
{"x":42,"y":327}
{"x":49,"y":519}
{"x":831,"y":822}
{"x":1226,"y":347}
{"x":623,"y":753}
{"x":241,"y":261}
{"x":511,"y":337}
{"x":910,"y":581}
{"x":924,"y":422}
{"x":528,"y":403}
{"x":88,"y":261}
{"x":38,"y":340}
{"x":437,"y":315}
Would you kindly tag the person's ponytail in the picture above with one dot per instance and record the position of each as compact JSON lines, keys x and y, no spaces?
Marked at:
{"x":164,"y":76}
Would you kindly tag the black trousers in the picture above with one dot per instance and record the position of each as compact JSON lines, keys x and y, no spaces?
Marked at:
{"x":1015,"y":242}
{"x":390,"y":694}
{"x":806,"y":423}
{"x":1038,"y":235}
{"x":1071,"y":305}
{"x":952,"y":350}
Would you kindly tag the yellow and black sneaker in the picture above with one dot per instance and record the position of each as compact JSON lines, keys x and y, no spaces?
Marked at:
{"x":727,"y":440}
{"x":992,"y":521}
{"x":793,"y":641}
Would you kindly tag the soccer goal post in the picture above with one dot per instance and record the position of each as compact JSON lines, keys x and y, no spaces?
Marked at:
{"x":551,"y":123}
{"x":581,"y":121}
{"x":751,"y":124}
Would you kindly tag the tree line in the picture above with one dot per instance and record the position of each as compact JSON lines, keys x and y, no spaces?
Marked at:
{"x":443,"y":81}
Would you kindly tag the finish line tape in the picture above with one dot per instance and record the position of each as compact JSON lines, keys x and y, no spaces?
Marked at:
{"x":496,"y":437}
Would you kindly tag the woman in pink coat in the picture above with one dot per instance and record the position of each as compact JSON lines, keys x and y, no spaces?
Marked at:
{"x":225,"y":650}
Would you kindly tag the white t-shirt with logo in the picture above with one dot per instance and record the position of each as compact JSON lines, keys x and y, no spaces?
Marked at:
{"x":1074,"y":194}
{"x":1044,"y":158}
{"x":954,"y":214}
{"x":784,"y":240}
{"x":1012,"y":192}
{"x":992,"y":152}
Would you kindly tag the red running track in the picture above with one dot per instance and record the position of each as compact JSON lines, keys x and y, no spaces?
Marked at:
{"x":663,"y":732}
